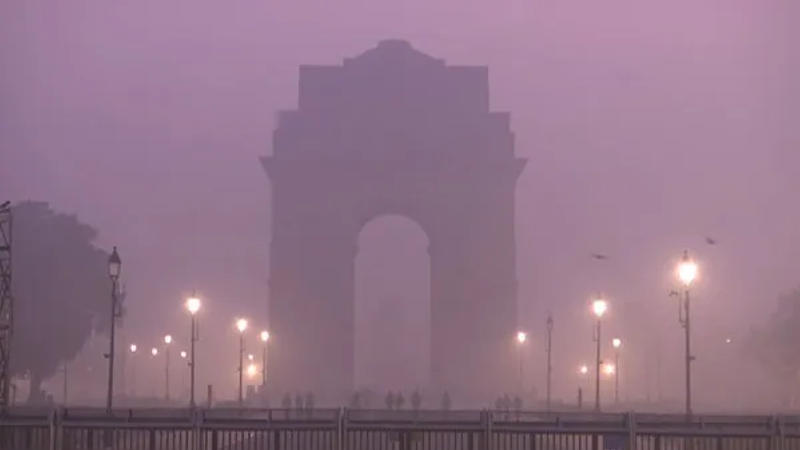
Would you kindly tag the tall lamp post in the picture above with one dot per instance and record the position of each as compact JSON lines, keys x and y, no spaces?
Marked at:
{"x":241,"y":325}
{"x":264,"y":341}
{"x":114,"y":269}
{"x":583,"y":370}
{"x":167,"y":342}
{"x":549,"y":360}
{"x":599,"y":308}
{"x":616,"y":343}
{"x":133,"y":349}
{"x":522,"y":337}
{"x":687,"y":272}
{"x":193,"y":305}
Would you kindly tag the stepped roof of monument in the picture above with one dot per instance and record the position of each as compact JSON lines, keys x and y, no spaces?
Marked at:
{"x":393,"y":51}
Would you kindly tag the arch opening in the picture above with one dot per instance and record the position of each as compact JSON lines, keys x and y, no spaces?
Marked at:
{"x":392,"y":306}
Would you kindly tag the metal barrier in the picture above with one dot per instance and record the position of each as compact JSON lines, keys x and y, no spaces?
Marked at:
{"x":343,"y":429}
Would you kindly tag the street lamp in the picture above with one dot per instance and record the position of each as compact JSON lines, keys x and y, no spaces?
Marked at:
{"x":241,"y":325}
{"x":183,"y":354}
{"x":167,"y":342}
{"x":616,"y":343}
{"x":599,"y":308}
{"x":583,"y":371}
{"x":522,"y":337}
{"x":687,"y":273}
{"x":264,"y":341}
{"x":154,"y":351}
{"x":252,"y":370}
{"x":193,"y":306}
{"x":549,"y":324}
{"x":114,"y":269}
{"x":133,"y":348}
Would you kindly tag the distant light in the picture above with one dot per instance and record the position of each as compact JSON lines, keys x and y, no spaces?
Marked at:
{"x":250,"y":357}
{"x":599,"y":307}
{"x":616,"y":342}
{"x":252,"y":370}
{"x":728,"y":340}
{"x":522,"y":337}
{"x":133,"y":348}
{"x":241,"y":325}
{"x":264,"y":336}
{"x":583,"y":370}
{"x":193,"y":305}
{"x":609,"y":369}
{"x":168,"y":339}
{"x":687,"y":269}
{"x":154,"y":351}
{"x":183,"y":354}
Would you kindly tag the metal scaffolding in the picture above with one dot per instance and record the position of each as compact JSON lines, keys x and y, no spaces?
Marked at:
{"x":6,"y":306}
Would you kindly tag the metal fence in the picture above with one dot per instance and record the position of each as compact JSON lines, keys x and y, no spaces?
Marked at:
{"x":343,"y":429}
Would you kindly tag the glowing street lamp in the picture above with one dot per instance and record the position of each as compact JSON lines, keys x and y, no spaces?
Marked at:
{"x":252,"y":370}
{"x":583,"y":371}
{"x":167,"y":342}
{"x":599,"y":308}
{"x":154,"y":351}
{"x":609,"y":369}
{"x":617,"y":344}
{"x":250,"y":357}
{"x":522,"y":337}
{"x":687,"y":273}
{"x":264,"y":340}
{"x":241,"y":325}
{"x":193,"y":306}
{"x":183,"y":354}
{"x":133,"y":348}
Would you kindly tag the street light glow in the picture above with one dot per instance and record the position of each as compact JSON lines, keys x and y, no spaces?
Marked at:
{"x":168,"y":339}
{"x":599,"y":307}
{"x":133,"y":348}
{"x":522,"y":337}
{"x":583,"y":370}
{"x":264,"y":336}
{"x":609,"y":369}
{"x":250,"y":357}
{"x":193,"y":305}
{"x":252,"y":370}
{"x":154,"y":351}
{"x":183,"y":354}
{"x":616,"y":342}
{"x":687,"y":270}
{"x":241,"y":325}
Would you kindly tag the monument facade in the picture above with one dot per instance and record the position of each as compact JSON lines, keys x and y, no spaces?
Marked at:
{"x":393,"y":131}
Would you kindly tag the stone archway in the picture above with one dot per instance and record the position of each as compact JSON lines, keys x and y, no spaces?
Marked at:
{"x":393,"y":131}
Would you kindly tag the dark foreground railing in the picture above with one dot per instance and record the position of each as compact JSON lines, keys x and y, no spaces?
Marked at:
{"x":343,"y":429}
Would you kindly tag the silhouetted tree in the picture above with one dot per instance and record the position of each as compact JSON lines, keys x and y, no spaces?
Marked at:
{"x":61,"y":289}
{"x":775,"y":344}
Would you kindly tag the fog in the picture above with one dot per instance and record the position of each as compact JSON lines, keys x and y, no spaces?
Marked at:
{"x":647,"y":126}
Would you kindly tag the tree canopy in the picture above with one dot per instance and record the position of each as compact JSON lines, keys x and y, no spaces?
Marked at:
{"x":60,"y":287}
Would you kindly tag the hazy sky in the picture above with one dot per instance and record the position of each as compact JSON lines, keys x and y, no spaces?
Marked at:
{"x":647,"y":126}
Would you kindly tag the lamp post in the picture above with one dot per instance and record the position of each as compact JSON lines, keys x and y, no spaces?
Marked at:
{"x":616,"y":343}
{"x":114,"y":269}
{"x":264,"y":341}
{"x":687,"y":272}
{"x":599,"y":308}
{"x":167,"y":342}
{"x":241,"y":325}
{"x":193,"y":306}
{"x":583,"y":371}
{"x":522,"y":337}
{"x":549,"y":360}
{"x":133,"y":349}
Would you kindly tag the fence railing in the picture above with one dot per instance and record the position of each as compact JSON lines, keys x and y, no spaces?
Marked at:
{"x":345,"y":429}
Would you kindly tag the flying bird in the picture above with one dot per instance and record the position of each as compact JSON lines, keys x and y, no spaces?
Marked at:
{"x":599,"y":256}
{"x":710,"y":241}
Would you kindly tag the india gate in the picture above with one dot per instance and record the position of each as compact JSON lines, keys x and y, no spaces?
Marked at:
{"x":393,"y":131}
